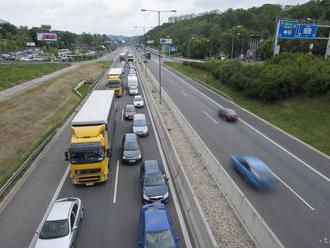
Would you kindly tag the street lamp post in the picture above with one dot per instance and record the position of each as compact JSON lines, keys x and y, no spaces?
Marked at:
{"x":159,"y":50}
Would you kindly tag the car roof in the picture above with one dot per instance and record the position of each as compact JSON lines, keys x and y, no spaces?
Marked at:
{"x":255,"y":162}
{"x":60,"y":210}
{"x":139,"y":116}
{"x":138,"y":96}
{"x":151,"y":166}
{"x":156,"y":219}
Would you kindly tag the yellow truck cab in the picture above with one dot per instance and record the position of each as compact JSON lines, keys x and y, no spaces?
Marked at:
{"x":115,"y":81}
{"x":90,"y":146}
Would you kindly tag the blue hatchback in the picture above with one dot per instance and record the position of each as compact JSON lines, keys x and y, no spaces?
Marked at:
{"x":155,"y":227}
{"x":255,"y":171}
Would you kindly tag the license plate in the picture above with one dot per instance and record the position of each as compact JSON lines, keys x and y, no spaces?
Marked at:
{"x":132,"y":160}
{"x":89,"y":184}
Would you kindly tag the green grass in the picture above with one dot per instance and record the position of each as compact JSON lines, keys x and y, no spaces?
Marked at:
{"x":306,"y":118}
{"x":13,"y":74}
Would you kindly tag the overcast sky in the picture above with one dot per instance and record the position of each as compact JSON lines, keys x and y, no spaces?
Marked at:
{"x":111,"y":16}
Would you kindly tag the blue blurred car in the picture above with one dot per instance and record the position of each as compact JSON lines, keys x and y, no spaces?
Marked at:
{"x":155,"y":227}
{"x":255,"y":171}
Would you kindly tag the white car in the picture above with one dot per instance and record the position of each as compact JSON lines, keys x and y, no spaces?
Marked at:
{"x":133,"y":90}
{"x":138,"y":101}
{"x":62,"y":223}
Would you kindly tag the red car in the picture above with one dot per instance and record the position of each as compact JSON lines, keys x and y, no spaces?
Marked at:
{"x":228,"y":114}
{"x":129,"y":112}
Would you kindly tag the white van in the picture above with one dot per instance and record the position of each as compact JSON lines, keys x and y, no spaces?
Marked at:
{"x":132,"y":81}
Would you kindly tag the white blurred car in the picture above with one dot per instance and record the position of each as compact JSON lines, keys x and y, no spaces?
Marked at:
{"x":138,"y":101}
{"x":62,"y":223}
{"x":133,"y":90}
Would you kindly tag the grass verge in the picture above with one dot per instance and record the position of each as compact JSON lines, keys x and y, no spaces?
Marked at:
{"x":27,"y":119}
{"x":16,"y":73}
{"x":306,"y":118}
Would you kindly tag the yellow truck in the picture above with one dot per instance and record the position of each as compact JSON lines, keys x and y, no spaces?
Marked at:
{"x":115,"y":80}
{"x":92,"y":131}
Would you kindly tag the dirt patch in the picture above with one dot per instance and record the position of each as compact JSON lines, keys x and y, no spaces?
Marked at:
{"x":25,"y":118}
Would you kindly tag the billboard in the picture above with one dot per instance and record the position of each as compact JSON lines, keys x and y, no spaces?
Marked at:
{"x":46,"y":36}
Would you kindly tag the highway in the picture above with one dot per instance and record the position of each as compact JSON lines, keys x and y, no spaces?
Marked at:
{"x":111,"y":209}
{"x":298,"y":210}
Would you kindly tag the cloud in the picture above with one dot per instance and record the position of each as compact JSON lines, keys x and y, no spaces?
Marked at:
{"x":110,"y":16}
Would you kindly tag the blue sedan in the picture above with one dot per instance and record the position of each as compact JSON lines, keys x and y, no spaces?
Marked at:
{"x":255,"y":171}
{"x":155,"y":227}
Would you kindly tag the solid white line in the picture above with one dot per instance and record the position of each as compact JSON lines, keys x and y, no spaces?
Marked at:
{"x":254,"y":129}
{"x":56,"y":193}
{"x":116,"y":184}
{"x":207,"y":114}
{"x":294,"y":192}
{"x":173,"y":192}
{"x":122,"y":115}
{"x":183,"y":93}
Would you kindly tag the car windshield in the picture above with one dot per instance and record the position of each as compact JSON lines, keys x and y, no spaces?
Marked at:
{"x":231,"y":111}
{"x":131,"y":146}
{"x":139,"y":123}
{"x":162,"y":239}
{"x":130,"y":108}
{"x":138,"y":98}
{"x":154,"y":180}
{"x":54,"y":229}
{"x":86,"y":153}
{"x":114,"y":83}
{"x":133,"y":88}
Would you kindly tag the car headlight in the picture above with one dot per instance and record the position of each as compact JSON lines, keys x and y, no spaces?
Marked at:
{"x":139,"y":156}
{"x":146,"y":197}
{"x":166,"y":195}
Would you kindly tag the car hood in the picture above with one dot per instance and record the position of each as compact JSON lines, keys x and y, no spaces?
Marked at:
{"x":132,"y":154}
{"x":63,"y":242}
{"x":152,"y":191}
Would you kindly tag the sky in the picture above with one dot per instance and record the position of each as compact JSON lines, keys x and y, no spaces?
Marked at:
{"x":119,"y":17}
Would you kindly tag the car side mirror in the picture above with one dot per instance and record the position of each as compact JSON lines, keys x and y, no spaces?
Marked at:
{"x":108,"y":153}
{"x":66,"y":156}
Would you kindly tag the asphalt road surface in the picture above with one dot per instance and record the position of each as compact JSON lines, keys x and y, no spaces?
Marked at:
{"x":111,"y":211}
{"x":298,"y":210}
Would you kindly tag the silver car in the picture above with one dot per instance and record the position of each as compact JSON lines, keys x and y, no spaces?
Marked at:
{"x":62,"y":223}
{"x":140,"y":125}
{"x":138,"y":101}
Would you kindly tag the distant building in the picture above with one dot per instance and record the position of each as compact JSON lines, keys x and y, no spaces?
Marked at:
{"x":3,"y":22}
{"x":173,"y":19}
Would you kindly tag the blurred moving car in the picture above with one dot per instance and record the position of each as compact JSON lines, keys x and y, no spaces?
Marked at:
{"x":155,"y":227}
{"x":62,"y":223}
{"x":129,"y":112}
{"x":228,"y":114}
{"x":153,"y":181}
{"x":140,"y":125}
{"x":138,"y":101}
{"x":255,"y":171}
{"x":131,"y":152}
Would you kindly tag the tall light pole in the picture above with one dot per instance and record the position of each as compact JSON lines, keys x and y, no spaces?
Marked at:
{"x":159,"y":50}
{"x":232,"y":41}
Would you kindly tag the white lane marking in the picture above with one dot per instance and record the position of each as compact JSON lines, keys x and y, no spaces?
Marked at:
{"x":173,"y":192}
{"x":210,"y":117}
{"x":122,"y":115}
{"x":183,"y":93}
{"x":56,"y":193}
{"x":254,"y":129}
{"x":116,"y":183}
{"x":294,"y":192}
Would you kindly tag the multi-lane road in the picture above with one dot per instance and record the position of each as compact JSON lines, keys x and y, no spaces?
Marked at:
{"x":111,"y":209}
{"x":298,"y":210}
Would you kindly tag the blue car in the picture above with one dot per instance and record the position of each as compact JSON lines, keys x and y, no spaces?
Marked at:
{"x":255,"y":171}
{"x":155,"y":227}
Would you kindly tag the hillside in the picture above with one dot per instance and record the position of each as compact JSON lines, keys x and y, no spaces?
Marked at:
{"x":212,"y":33}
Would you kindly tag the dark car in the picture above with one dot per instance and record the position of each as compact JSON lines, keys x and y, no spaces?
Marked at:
{"x":155,"y":227}
{"x":131,"y":152}
{"x":228,"y":114}
{"x":129,"y":112}
{"x":153,"y":181}
{"x":255,"y":171}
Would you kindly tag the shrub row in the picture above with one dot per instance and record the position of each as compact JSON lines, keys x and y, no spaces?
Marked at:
{"x":277,"y":78}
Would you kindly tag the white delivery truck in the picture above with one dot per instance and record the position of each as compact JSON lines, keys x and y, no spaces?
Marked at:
{"x":132,"y":81}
